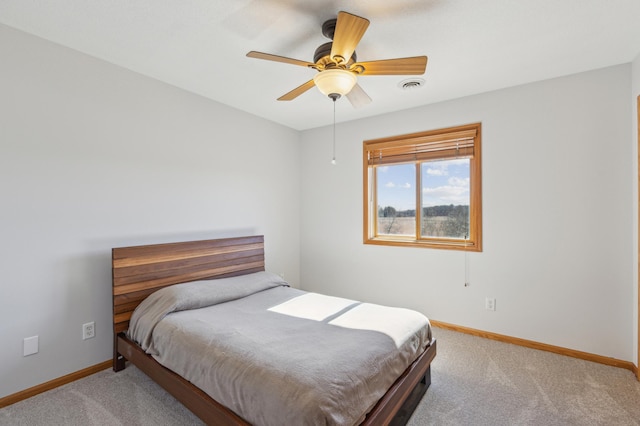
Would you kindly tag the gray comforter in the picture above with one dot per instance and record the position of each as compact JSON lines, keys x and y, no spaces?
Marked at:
{"x":277,"y":355}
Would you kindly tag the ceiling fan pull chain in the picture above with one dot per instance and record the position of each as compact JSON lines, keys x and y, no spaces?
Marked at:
{"x":333,"y":160}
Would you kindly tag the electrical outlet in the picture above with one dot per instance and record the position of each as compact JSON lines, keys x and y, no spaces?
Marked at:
{"x":490,"y":303}
{"x":88,"y":330}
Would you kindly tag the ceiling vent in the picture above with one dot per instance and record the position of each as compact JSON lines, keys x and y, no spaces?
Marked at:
{"x":411,"y":84}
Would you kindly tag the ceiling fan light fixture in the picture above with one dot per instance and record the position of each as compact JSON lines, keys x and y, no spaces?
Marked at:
{"x":335,"y":82}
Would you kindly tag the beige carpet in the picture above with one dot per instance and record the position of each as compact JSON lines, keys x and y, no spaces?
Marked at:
{"x":475,"y":381}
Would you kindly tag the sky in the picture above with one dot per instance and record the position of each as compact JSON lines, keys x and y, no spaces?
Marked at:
{"x":443,"y":182}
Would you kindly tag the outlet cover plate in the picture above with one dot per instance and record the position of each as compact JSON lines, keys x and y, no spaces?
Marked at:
{"x":88,"y":330}
{"x":490,"y":303}
{"x":30,"y":346}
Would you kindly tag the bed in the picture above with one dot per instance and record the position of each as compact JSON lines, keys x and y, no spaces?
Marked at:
{"x":160,"y":271}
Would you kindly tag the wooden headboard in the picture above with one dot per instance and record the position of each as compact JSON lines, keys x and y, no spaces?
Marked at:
{"x":139,"y":271}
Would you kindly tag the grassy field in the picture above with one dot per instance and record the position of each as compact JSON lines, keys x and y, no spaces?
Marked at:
{"x":407,"y":225}
{"x":397,"y":225}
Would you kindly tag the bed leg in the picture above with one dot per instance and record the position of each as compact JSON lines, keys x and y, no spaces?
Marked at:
{"x":410,"y":405}
{"x":118,"y":360}
{"x":426,"y":379}
{"x":118,"y":363}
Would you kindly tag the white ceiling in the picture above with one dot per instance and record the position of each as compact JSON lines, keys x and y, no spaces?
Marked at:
{"x":473,"y":46}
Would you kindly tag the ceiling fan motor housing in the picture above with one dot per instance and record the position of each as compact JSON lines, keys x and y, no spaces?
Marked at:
{"x":329,"y":28}
{"x":322,"y":56}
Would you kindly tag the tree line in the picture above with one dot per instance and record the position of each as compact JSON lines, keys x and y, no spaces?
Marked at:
{"x":432,"y":211}
{"x":449,"y":221}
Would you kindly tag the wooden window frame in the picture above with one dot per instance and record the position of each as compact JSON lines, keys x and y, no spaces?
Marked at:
{"x":452,"y":142}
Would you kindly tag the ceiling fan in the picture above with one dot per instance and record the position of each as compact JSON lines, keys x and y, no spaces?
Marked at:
{"x":337,"y":65}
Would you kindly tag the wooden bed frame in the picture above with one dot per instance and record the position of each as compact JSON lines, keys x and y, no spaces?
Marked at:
{"x":139,"y":271}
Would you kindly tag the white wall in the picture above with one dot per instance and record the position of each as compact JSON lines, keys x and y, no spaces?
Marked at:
{"x":557,"y":179}
{"x":635,"y":92}
{"x":93,"y":156}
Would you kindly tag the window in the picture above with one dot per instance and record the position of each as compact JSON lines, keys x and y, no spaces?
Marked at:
{"x":424,"y":189}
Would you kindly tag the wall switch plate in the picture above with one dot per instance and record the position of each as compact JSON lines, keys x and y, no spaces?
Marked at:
{"x":490,"y":303}
{"x":30,"y":346}
{"x":88,"y":330}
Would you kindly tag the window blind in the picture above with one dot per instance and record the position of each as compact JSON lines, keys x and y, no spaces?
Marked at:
{"x":422,"y":147}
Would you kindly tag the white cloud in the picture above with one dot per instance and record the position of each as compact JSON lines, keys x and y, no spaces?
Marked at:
{"x":446,"y":194}
{"x":462,"y":182}
{"x":393,"y":185}
{"x":446,"y":190}
{"x":439,"y":171}
{"x":441,"y":168}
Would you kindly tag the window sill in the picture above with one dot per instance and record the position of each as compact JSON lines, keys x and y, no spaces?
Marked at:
{"x":443,"y":244}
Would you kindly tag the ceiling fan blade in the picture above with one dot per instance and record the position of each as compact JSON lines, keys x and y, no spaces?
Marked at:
{"x":349,"y":30}
{"x":401,"y":66}
{"x":297,"y":91}
{"x":276,"y":58}
{"x":358,"y":97}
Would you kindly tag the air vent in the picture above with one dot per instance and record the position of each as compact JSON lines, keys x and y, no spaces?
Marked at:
{"x":411,"y":84}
